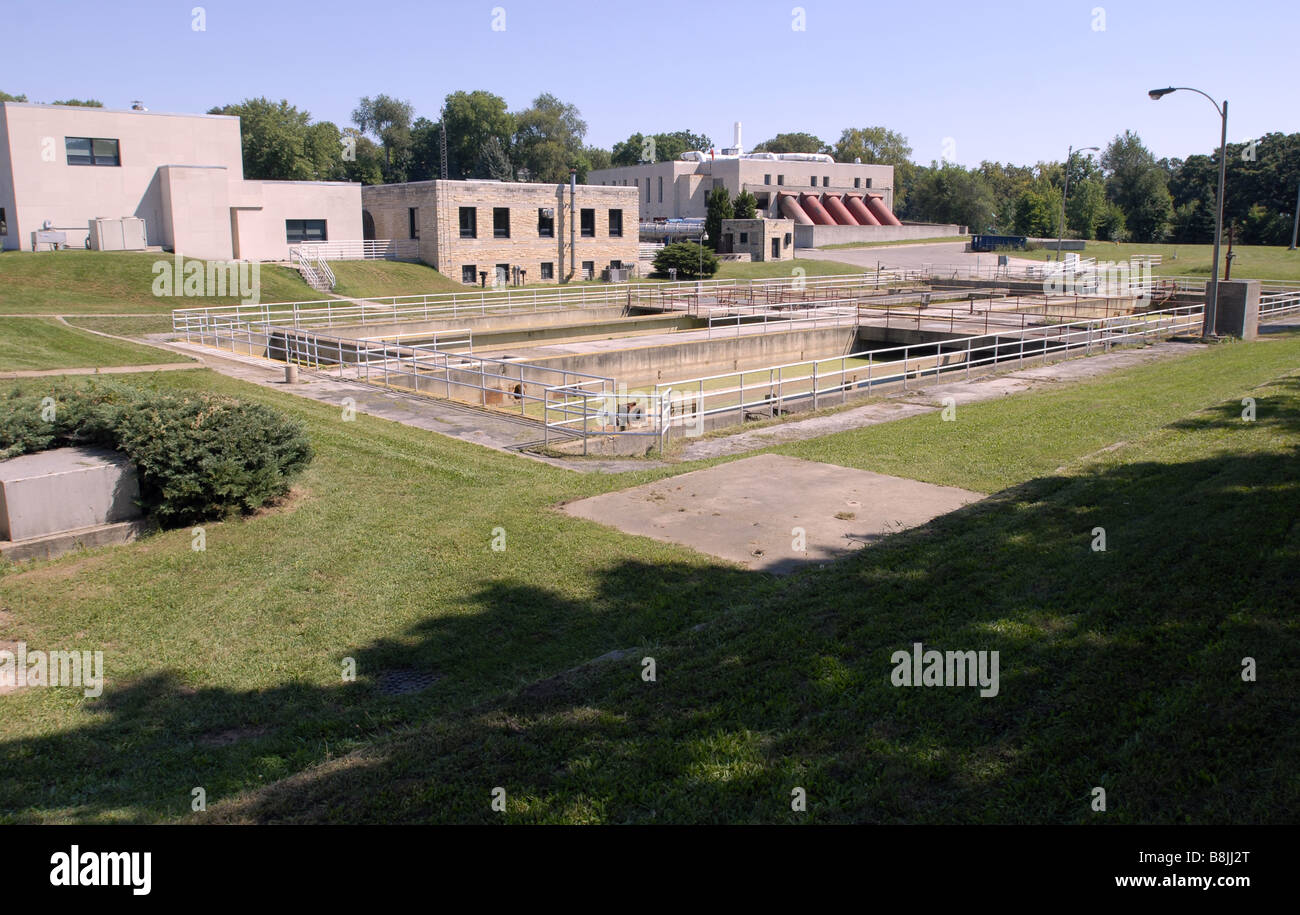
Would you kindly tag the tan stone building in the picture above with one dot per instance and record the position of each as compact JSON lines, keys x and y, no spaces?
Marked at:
{"x":762,"y":239}
{"x":501,"y":232}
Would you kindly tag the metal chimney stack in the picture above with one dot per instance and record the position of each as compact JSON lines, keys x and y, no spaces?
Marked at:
{"x":740,"y":150}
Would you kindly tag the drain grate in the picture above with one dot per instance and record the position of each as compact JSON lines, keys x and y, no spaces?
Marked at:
{"x":403,"y":682}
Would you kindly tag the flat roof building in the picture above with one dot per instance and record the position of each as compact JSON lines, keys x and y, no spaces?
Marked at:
{"x":679,"y":189}
{"x":182,"y":174}
{"x":505,"y":232}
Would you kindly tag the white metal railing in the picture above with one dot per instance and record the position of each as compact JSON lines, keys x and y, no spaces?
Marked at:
{"x":369,"y":249}
{"x":770,"y":390}
{"x":1276,"y":304}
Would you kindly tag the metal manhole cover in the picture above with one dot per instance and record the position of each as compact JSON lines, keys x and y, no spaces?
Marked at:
{"x":405,"y":682}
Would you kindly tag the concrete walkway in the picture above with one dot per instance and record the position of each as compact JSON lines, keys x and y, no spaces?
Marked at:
{"x":103,"y":370}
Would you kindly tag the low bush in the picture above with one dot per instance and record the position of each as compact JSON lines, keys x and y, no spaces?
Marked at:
{"x":691,"y":260}
{"x":198,"y":457}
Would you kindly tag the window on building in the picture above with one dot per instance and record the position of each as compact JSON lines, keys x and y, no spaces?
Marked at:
{"x":661,"y":188}
{"x":787,"y":239}
{"x":780,"y":179}
{"x":857,"y":182}
{"x":588,"y":223}
{"x":647,"y":189}
{"x":501,"y":222}
{"x":546,"y":222}
{"x":814,"y":180}
{"x":548,"y":270}
{"x":588,"y":270}
{"x":826,"y":181}
{"x":4,"y":223}
{"x":301,"y":230}
{"x":469,"y":274}
{"x":413,"y":220}
{"x":868,"y":182}
{"x":615,"y":223}
{"x":767,"y":179}
{"x":744,"y":238}
{"x":91,"y":151}
{"x":468,"y":222}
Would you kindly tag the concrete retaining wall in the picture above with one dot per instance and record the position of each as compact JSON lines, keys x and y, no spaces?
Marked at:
{"x":821,"y":236}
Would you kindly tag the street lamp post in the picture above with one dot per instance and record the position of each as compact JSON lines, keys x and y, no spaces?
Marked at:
{"x":1065,"y":191}
{"x":1212,"y":299}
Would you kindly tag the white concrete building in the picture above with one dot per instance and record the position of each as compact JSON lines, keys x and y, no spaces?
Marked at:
{"x":182,"y":174}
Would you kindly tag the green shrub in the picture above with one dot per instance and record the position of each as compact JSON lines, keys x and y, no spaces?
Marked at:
{"x":691,"y":260}
{"x":197,"y":456}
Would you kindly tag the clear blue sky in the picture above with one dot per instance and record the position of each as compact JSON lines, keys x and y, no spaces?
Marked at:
{"x":1006,"y":81}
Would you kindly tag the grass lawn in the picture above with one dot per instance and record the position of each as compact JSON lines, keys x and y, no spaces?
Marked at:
{"x":1118,"y":669}
{"x":892,"y":244}
{"x":99,"y":282}
{"x":378,"y":278}
{"x":129,"y":326}
{"x":40,"y":343}
{"x":758,"y":270}
{"x":1251,"y":262}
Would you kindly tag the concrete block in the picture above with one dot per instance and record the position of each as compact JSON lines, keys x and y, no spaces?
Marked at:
{"x":1237,"y":313}
{"x":64,"y":490}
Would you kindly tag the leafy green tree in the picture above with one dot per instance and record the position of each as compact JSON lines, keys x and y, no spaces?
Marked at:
{"x":425,"y":163}
{"x":1138,"y":186}
{"x":873,"y":145}
{"x":389,"y":120}
{"x":471,"y":118}
{"x":281,"y":144}
{"x":689,"y":259}
{"x":745,"y":206}
{"x":6,"y":97}
{"x":659,"y":147}
{"x":948,"y":193}
{"x":1036,"y":212}
{"x":548,"y":139}
{"x":1111,"y":226}
{"x":719,"y":208}
{"x":80,"y":103}
{"x":1084,"y":208}
{"x":793,"y":143}
{"x":366,"y":161}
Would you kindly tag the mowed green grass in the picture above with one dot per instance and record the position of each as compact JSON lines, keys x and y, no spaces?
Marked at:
{"x":1261,"y":262}
{"x":39,"y":343}
{"x":377,"y":278}
{"x":225,"y":666}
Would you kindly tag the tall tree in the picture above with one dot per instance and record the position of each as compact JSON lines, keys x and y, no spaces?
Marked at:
{"x":471,"y":118}
{"x":6,"y":97}
{"x":548,"y":139}
{"x":948,"y":193}
{"x":873,"y":145}
{"x":493,"y":162}
{"x":793,"y":143}
{"x":389,"y":120}
{"x":658,"y":147}
{"x":719,"y":208}
{"x":280,"y":143}
{"x":745,"y":206}
{"x":1138,"y":186}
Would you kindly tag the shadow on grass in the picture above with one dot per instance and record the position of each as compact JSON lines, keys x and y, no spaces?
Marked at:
{"x":1118,"y":669}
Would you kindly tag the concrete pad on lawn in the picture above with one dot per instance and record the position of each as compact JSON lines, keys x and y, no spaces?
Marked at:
{"x":746,"y":511}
